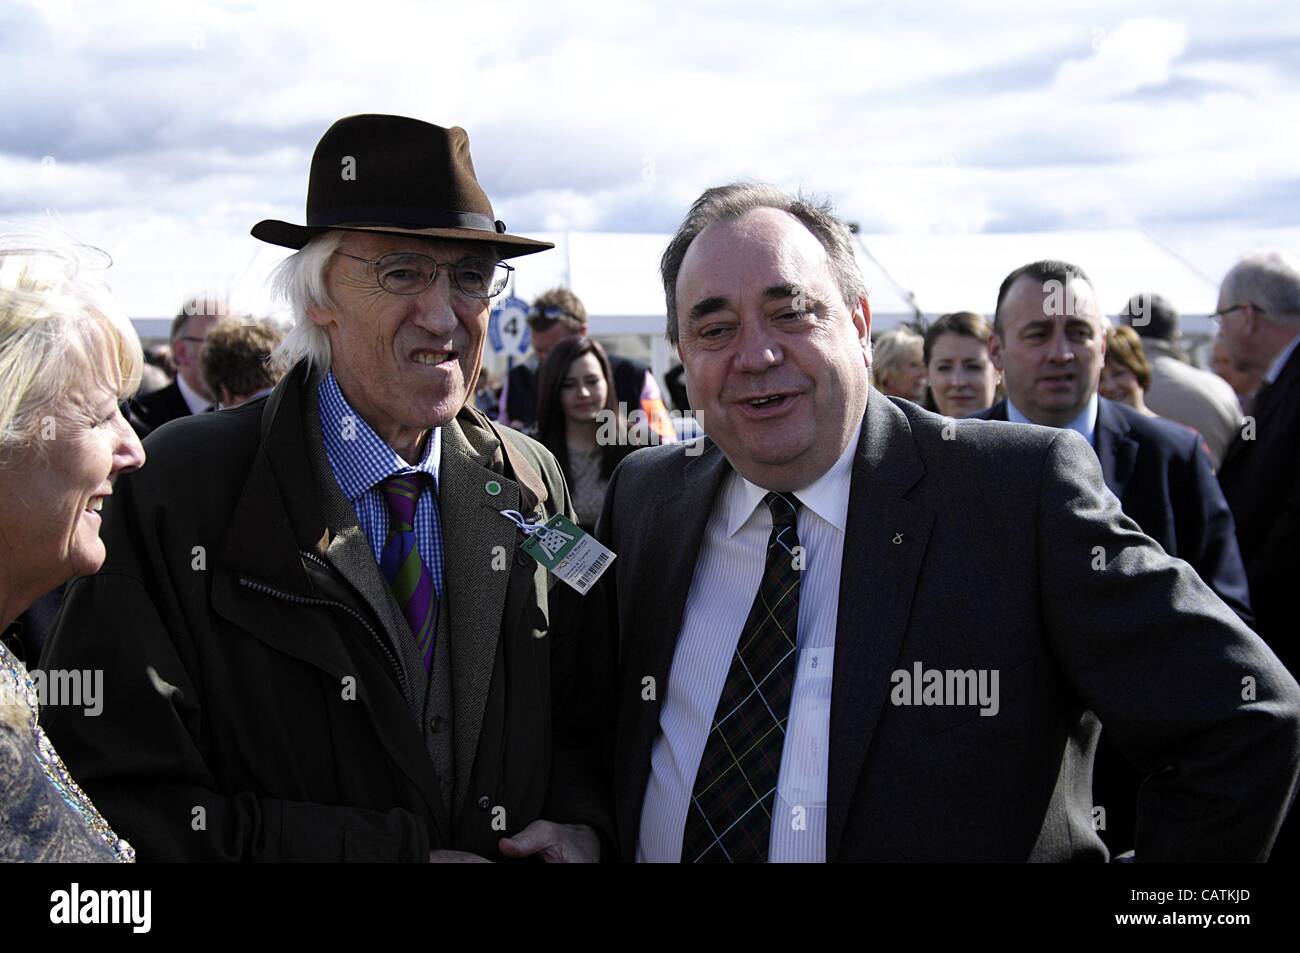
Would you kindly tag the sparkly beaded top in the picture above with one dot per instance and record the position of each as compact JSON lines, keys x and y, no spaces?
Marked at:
{"x":44,"y":814}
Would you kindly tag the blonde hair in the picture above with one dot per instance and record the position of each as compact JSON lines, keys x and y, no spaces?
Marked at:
{"x":893,"y":348}
{"x":55,"y":309}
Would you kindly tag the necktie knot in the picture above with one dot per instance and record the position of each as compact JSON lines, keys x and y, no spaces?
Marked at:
{"x":784,"y":508}
{"x":401,"y":492}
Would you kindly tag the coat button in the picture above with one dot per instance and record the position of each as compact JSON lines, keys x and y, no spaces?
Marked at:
{"x":484,"y":803}
{"x":436,"y":724}
{"x":521,"y":558}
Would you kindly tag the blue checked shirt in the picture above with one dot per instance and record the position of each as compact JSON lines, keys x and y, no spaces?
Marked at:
{"x":361,"y":460}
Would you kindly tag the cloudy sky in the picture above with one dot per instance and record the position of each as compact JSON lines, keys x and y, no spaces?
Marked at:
{"x":163,"y":131}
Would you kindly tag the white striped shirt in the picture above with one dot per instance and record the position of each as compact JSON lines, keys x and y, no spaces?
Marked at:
{"x":727,"y":576}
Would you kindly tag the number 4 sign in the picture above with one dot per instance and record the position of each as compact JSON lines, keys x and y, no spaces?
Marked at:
{"x":508,"y":326}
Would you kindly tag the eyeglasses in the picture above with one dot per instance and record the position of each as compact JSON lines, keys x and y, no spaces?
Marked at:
{"x":406,"y":273}
{"x":1218,"y":316}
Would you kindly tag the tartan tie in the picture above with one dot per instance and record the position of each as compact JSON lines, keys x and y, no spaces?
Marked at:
{"x":730,"y":815}
{"x":407,"y":575}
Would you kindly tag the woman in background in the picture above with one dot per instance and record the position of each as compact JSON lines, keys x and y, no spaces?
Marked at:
{"x":68,"y":358}
{"x":1126,"y":374}
{"x":898,"y":364}
{"x":962,"y":379}
{"x":579,"y":421}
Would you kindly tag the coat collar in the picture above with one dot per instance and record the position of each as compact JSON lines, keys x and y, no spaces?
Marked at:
{"x":1116,"y":450}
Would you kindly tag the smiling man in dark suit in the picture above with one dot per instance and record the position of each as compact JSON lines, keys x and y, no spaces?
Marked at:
{"x":807,"y":570}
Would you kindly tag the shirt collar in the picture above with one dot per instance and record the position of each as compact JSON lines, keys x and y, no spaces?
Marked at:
{"x":195,"y":401}
{"x":827,"y":496}
{"x":1085,"y":423}
{"x":359,"y":456}
{"x":1281,"y":360}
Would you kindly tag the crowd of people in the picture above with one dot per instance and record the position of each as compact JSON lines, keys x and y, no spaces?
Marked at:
{"x":992,"y":589}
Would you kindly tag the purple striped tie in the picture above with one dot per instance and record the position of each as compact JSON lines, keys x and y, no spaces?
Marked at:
{"x":407,"y":575}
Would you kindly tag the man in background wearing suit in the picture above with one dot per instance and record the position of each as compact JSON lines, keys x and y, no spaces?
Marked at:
{"x":808,"y":569}
{"x":1180,"y":392}
{"x":188,"y":393}
{"x":1259,"y":320}
{"x":1049,"y":343}
{"x":1259,"y":315}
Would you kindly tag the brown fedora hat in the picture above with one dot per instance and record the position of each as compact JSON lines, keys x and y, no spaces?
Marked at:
{"x":400,"y":176}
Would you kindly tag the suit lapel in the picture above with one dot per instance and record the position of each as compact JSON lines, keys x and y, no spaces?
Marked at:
{"x":672,"y":542}
{"x":1116,"y":450}
{"x":475,"y":594}
{"x":883,"y":549}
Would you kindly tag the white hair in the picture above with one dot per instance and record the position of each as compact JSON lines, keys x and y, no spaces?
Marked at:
{"x":300,"y":280}
{"x":1269,"y":280}
{"x":56,"y":313}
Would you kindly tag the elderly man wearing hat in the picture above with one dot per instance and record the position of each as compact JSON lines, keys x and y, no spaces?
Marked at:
{"x":329,"y":642}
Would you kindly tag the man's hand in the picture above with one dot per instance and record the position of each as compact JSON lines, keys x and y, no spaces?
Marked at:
{"x":456,"y":857}
{"x":554,"y":843}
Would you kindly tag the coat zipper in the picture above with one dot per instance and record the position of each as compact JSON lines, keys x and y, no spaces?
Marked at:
{"x":306,"y":601}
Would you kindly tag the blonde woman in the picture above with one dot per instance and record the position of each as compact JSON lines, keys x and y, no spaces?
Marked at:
{"x":68,"y":358}
{"x":898,"y":366}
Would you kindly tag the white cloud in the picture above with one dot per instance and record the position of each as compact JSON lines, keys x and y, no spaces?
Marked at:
{"x":174,"y":129}
{"x":1136,"y":54}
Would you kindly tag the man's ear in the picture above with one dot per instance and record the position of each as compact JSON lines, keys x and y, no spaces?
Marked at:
{"x":862,"y":324}
{"x":321,"y":317}
{"x":995,"y":350}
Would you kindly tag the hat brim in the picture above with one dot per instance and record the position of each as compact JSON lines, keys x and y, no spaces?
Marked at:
{"x":289,"y":235}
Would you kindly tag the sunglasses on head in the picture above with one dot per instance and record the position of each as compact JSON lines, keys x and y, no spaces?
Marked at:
{"x":543,"y":319}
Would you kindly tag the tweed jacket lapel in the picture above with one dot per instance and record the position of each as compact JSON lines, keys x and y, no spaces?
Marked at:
{"x":475,"y":587}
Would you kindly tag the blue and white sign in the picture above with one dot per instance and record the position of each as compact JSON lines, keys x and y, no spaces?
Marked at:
{"x":508,"y":327}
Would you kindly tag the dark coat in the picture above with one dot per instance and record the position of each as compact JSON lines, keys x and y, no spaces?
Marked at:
{"x":148,"y":412}
{"x":978,"y":552}
{"x":1261,"y":479}
{"x":260,"y":701}
{"x":1160,"y":473}
{"x":1164,"y":482}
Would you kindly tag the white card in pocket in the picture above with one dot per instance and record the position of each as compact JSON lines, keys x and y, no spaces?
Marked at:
{"x":805,"y":754}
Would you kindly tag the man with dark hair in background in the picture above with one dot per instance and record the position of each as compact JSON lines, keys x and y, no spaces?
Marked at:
{"x":1201,"y":400}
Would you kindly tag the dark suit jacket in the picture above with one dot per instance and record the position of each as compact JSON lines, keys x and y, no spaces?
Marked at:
{"x":1261,"y":479}
{"x":257,"y":665}
{"x":978,"y":553}
{"x":1164,"y":482}
{"x":521,"y":388}
{"x":150,"y":411}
